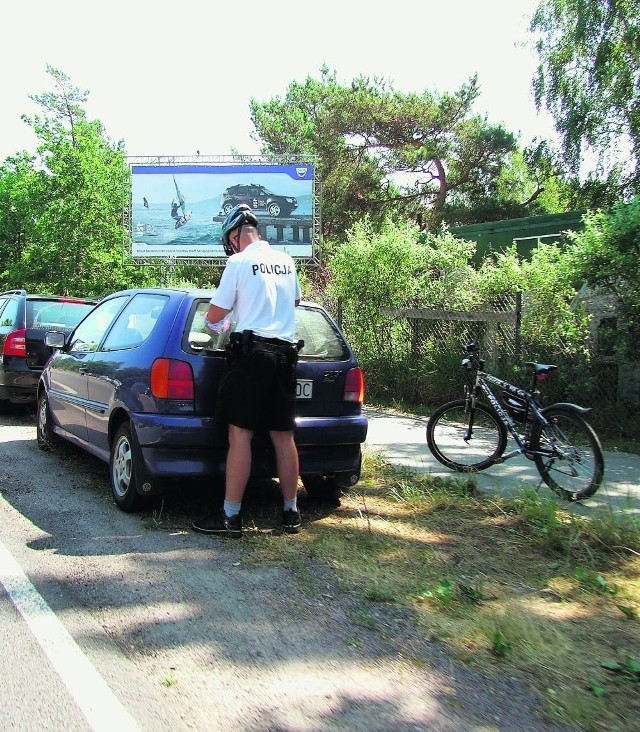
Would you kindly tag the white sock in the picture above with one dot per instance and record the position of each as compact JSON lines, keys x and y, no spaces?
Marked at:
{"x":232,"y":509}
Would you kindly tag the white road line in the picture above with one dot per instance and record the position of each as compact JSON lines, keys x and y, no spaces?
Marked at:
{"x":97,"y":702}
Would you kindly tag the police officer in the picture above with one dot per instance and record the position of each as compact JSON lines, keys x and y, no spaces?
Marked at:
{"x":261,"y":286}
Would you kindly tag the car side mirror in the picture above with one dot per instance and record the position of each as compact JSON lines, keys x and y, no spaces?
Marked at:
{"x":54,"y":339}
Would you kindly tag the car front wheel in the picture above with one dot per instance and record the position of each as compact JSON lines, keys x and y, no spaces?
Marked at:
{"x":44,"y":428}
{"x":274,"y":209}
{"x":123,"y":471}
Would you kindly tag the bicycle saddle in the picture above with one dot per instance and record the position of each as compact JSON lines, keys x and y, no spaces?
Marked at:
{"x":541,"y":368}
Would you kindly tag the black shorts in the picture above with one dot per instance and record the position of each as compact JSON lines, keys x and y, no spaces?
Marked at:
{"x":257,"y":392}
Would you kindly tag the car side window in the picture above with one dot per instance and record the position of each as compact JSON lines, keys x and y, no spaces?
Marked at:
{"x":136,"y":322}
{"x":3,"y":302}
{"x":9,"y":313}
{"x":87,"y":336}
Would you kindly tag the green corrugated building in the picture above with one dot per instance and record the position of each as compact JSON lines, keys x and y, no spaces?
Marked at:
{"x":526,"y":232}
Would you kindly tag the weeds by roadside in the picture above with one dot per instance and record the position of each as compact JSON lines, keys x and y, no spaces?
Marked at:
{"x":518,"y":586}
{"x":156,"y":519}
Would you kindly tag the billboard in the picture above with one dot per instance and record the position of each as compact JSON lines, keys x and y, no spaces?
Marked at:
{"x":177,"y":207}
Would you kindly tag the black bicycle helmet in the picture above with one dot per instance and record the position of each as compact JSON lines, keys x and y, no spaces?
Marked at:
{"x":237,"y":217}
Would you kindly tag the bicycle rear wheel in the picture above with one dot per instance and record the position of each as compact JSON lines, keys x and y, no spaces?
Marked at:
{"x":572,"y":463}
{"x":446,"y":431}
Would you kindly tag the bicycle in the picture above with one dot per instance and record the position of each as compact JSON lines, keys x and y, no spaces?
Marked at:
{"x":469,"y":435}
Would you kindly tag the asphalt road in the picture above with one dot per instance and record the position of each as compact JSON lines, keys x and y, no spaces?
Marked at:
{"x":401,"y":439}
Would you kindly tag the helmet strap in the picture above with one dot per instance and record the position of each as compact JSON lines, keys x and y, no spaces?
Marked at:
{"x":237,"y":249}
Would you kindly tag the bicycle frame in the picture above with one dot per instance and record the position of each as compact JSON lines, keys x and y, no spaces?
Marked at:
{"x":522,"y":441}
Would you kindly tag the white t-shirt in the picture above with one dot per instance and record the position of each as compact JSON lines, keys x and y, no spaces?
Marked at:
{"x":260,"y":284}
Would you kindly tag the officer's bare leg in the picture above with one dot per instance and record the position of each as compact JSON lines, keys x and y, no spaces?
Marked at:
{"x":238,"y":463}
{"x":287,"y":462}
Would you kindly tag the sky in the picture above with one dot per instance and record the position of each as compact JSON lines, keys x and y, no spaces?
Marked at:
{"x":175,"y":78}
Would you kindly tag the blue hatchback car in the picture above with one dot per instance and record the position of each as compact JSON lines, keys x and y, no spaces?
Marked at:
{"x":135,"y":384}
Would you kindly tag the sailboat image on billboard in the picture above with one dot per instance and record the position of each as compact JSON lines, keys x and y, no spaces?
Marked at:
{"x":178,"y":208}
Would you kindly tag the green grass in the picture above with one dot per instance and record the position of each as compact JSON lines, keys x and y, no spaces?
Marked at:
{"x":517,"y":587}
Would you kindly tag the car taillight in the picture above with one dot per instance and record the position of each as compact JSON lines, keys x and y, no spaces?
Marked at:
{"x":15,"y":343}
{"x":171,"y":379}
{"x":354,"y":386}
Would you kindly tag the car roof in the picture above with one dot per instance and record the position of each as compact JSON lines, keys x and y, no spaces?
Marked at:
{"x":64,"y":298}
{"x":194,"y":292}
{"x":197,"y":292}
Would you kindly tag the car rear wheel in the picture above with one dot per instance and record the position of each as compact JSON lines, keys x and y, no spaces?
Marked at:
{"x":44,"y":427}
{"x":125,"y":466}
{"x":322,"y":487}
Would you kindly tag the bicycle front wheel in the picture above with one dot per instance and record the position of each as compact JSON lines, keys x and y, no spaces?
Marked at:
{"x":570,"y":459}
{"x":447,"y":430}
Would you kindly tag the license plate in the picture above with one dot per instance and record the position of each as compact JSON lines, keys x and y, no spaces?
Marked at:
{"x":304,"y":389}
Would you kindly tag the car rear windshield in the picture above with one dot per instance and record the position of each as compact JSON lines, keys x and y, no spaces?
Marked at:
{"x":322,"y":341}
{"x":56,"y":314}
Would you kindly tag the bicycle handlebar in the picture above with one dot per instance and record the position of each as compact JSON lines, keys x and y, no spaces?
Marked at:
{"x":473,"y":359}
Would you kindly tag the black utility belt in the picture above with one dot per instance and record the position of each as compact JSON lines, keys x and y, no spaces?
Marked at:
{"x":271,"y":341}
{"x":247,"y":342}
{"x":282,"y":350}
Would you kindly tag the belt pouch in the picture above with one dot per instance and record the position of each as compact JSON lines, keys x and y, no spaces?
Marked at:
{"x":247,"y":338}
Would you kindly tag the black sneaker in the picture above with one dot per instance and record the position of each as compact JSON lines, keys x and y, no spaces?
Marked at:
{"x":291,"y":521}
{"x":219,"y":524}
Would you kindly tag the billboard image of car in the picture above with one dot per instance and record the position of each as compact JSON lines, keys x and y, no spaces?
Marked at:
{"x":177,"y":209}
{"x":258,"y":198}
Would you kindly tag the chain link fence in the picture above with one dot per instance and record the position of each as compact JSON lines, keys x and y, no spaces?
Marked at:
{"x":420,"y":363}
